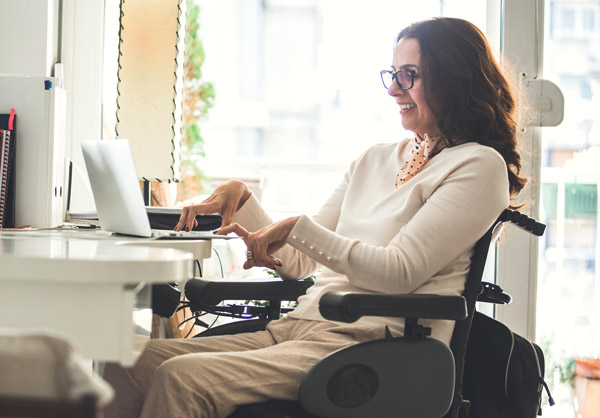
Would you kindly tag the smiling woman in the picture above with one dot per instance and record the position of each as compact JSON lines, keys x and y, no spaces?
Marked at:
{"x":371,"y":235}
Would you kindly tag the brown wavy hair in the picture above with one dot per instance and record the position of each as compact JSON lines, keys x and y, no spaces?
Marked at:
{"x":466,"y":89}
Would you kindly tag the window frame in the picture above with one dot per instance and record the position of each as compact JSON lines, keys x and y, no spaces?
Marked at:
{"x":82,"y":44}
{"x":517,"y":256}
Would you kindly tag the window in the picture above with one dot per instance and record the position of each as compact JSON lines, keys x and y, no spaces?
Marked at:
{"x":574,"y":19}
{"x":568,"y":275}
{"x":297,"y":90}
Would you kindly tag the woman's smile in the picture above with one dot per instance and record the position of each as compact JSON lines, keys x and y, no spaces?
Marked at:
{"x":406,"y":106}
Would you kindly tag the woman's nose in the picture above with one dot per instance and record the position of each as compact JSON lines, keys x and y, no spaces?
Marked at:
{"x":394,"y":90}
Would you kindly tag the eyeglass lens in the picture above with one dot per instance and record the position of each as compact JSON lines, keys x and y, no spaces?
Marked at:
{"x":404,"y":79}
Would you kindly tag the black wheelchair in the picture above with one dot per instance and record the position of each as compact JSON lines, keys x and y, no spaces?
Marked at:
{"x":410,"y":376}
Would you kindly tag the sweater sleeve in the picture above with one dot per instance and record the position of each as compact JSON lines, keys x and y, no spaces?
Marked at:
{"x":458,"y":212}
{"x":326,"y":219}
{"x":253,"y":217}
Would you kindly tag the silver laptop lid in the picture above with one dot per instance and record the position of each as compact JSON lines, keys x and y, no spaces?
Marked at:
{"x":115,"y":187}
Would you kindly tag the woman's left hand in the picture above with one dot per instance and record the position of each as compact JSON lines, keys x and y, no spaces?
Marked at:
{"x":264,"y":242}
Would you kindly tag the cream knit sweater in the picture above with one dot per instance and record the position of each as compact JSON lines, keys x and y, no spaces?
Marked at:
{"x":371,"y":237}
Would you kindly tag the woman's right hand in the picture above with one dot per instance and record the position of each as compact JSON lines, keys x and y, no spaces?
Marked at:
{"x":227,"y":199}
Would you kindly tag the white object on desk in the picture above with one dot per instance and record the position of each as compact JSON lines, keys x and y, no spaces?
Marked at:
{"x":82,"y":285}
{"x":40,"y":160}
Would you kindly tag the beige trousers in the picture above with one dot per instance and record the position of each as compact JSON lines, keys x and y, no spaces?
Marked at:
{"x":209,"y":377}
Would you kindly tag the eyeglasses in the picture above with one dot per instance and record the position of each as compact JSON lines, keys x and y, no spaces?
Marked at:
{"x":404,"y":78}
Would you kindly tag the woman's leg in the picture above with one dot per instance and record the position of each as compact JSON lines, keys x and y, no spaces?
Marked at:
{"x":131,"y":384}
{"x":213,"y":384}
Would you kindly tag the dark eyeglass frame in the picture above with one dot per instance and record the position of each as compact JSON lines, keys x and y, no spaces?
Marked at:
{"x":394,"y":75}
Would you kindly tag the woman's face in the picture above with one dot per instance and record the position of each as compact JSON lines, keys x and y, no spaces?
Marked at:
{"x":416,"y":114}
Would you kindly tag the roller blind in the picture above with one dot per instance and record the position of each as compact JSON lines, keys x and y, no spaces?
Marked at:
{"x":150,"y":84}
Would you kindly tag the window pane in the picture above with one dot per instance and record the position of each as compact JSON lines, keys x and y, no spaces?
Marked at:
{"x":568,"y":277}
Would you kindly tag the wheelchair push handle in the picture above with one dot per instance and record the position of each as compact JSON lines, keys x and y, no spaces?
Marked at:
{"x":523,"y":221}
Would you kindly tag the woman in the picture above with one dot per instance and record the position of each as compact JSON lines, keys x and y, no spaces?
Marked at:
{"x":404,"y":219}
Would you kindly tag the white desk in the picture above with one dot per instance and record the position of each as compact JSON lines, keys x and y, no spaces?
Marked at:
{"x":86,"y":285}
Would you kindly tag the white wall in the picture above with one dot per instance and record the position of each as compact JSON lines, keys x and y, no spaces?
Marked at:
{"x":30,"y":32}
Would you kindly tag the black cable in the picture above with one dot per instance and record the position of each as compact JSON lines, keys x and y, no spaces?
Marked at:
{"x":204,"y":324}
{"x":189,"y":332}
{"x":194,"y":316}
{"x":214,"y":322}
{"x":183,"y":305}
{"x":184,"y":317}
{"x":69,"y":182}
{"x":199,"y":268}
{"x":188,"y":319}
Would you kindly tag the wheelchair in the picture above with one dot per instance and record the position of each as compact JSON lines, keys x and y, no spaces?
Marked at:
{"x":410,"y":376}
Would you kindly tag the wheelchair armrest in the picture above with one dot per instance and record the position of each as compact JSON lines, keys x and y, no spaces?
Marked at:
{"x":349,"y":307}
{"x":213,"y":292}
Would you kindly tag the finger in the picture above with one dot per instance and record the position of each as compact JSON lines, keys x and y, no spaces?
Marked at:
{"x":188,"y":219}
{"x":271,"y":263}
{"x":261,"y":251}
{"x":227,"y":217}
{"x":182,"y":219}
{"x":236,"y":228}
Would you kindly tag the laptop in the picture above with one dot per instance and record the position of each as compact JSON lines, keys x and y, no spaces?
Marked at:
{"x":117,"y":193}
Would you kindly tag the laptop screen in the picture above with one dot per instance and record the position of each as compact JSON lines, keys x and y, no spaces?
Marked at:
{"x":115,"y":187}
